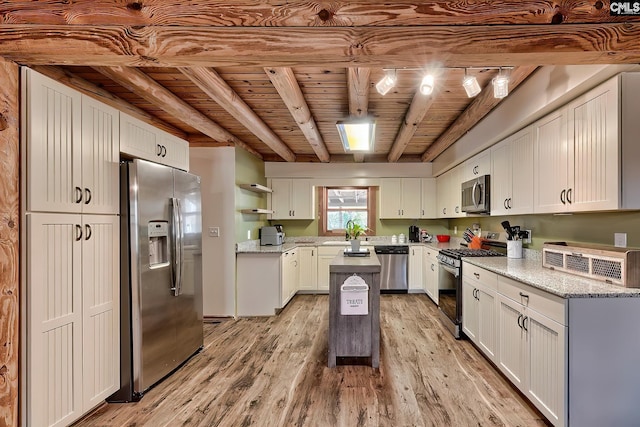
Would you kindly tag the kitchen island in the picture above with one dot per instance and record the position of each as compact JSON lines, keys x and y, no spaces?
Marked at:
{"x":354,"y":321}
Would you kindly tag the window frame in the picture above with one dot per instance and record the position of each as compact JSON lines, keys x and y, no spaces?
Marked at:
{"x":323,"y":197}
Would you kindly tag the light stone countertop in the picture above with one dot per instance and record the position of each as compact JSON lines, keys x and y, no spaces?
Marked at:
{"x":529,"y":270}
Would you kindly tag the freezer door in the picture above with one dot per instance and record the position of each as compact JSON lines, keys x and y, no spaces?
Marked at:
{"x":188,"y":307}
{"x":152,"y":323}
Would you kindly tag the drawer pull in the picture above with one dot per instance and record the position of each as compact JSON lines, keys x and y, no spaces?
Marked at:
{"x":477,"y":275}
{"x":524,"y":296}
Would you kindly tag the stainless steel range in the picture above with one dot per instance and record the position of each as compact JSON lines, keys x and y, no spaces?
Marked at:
{"x":450,"y":284}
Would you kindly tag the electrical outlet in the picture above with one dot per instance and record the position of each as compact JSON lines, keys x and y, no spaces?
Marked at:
{"x":214,"y":231}
{"x":527,"y":238}
{"x":620,"y":240}
{"x":492,"y":235}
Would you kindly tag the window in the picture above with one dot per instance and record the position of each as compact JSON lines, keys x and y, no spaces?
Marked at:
{"x":341,"y":204}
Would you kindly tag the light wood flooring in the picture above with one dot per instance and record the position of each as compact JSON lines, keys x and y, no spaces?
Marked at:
{"x":273,"y":372}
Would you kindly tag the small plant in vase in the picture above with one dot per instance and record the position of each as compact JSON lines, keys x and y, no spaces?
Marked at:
{"x":353,"y":231}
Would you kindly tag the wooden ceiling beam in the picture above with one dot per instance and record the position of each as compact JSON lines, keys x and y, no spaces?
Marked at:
{"x":217,"y":89}
{"x":300,"y":14}
{"x":64,"y":76}
{"x":284,"y":80}
{"x":479,"y":107}
{"x":416,"y":112}
{"x":456,"y":45}
{"x":147,"y":88}
{"x":358,"y":80}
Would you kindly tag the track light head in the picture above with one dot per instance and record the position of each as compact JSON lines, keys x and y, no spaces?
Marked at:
{"x":387,"y":82}
{"x":470,"y":84}
{"x":500,"y":85}
{"x":426,"y":86}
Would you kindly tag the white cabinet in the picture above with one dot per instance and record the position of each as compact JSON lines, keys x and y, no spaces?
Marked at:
{"x":512,"y":174}
{"x":291,"y":199}
{"x":71,"y":149}
{"x":476,"y":166}
{"x":141,"y":140}
{"x":430,"y":273}
{"x":415,"y":268}
{"x":429,"y":198}
{"x":400,"y":198}
{"x":586,"y":151}
{"x":449,"y":194}
{"x":308,"y":270}
{"x":325,"y":255}
{"x":479,"y":308}
{"x":289,"y":283}
{"x":532,"y":346}
{"x":73,"y":341}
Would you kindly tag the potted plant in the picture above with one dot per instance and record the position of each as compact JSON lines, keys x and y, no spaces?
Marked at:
{"x":353,"y":231}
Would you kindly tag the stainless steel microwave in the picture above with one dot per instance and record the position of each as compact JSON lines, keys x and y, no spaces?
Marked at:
{"x":475,"y":195}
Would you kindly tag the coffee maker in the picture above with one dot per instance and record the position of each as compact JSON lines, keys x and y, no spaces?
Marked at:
{"x":414,"y":233}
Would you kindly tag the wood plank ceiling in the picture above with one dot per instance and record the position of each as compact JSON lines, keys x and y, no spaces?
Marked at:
{"x":274,"y":77}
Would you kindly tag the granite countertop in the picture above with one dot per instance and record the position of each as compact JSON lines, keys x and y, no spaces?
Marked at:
{"x":360,"y":264}
{"x":529,"y":270}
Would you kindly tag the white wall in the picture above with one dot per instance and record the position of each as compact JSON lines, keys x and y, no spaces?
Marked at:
{"x":216,"y":167}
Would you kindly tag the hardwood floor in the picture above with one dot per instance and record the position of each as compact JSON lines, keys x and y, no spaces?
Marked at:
{"x":273,"y":372}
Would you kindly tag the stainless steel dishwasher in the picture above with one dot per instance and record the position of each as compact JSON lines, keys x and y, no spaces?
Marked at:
{"x":394,"y":274}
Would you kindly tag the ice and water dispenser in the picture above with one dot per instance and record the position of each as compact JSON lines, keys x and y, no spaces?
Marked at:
{"x":158,"y":244}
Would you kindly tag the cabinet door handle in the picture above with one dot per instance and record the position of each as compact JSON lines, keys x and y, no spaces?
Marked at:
{"x":422,"y":212}
{"x":509,"y":203}
{"x":78,"y":195}
{"x":506,"y":206}
{"x":457,"y":209}
{"x":158,"y":150}
{"x":164,"y":151}
{"x":562,"y":196}
{"x":524,"y":325}
{"x":78,"y":232}
{"x":444,"y":211}
{"x":87,"y":196}
{"x":569,"y":195}
{"x":312,"y":252}
{"x":433,"y":266}
{"x":88,"y":232}
{"x":519,"y":319}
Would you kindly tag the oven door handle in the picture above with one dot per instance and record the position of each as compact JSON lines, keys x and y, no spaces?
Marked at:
{"x":448,"y":269}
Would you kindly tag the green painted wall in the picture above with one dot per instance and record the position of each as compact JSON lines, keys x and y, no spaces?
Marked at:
{"x":387,"y":227}
{"x":249,"y":169}
{"x":595,"y":228}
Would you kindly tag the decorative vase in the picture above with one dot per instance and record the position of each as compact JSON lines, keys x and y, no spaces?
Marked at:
{"x":355,"y":245}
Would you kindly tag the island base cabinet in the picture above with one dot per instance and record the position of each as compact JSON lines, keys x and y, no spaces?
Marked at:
{"x":604,"y":347}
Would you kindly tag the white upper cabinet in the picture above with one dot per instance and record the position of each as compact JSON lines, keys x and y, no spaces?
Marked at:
{"x":291,"y":199}
{"x":512,"y":174}
{"x":429,"y":198}
{"x":141,"y":140}
{"x":586,"y":152}
{"x":476,"y":166}
{"x":449,"y":194}
{"x":400,"y":198}
{"x":100,"y":157}
{"x":71,"y":144}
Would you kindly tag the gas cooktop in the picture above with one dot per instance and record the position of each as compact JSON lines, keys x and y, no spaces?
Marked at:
{"x":466,"y":252}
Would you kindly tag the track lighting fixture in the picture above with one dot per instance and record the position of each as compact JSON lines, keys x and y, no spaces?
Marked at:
{"x":501,"y":85}
{"x":426,"y":86}
{"x":470,"y":84}
{"x":387,"y":82}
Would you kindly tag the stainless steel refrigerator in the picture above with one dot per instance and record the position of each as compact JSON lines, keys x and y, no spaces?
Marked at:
{"x":161,"y":276}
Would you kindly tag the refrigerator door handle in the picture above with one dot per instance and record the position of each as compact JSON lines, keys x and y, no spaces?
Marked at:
{"x":176,"y":231}
{"x":180,"y":246}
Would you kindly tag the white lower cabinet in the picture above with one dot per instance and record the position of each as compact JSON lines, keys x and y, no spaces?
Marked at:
{"x":72,"y":320}
{"x":415,"y":268}
{"x":289,"y":282}
{"x":430,"y":273}
{"x":479,"y":312}
{"x":325,"y":255}
{"x":308,"y":268}
{"x":532,"y":346}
